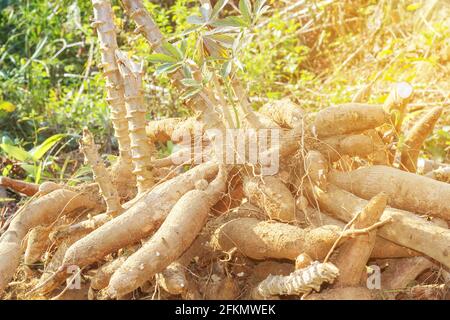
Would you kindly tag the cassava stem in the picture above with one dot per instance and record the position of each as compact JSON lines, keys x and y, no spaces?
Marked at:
{"x":106,"y":32}
{"x":141,"y":150}
{"x":101,"y":175}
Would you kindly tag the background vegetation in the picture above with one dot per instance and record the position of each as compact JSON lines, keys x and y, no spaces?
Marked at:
{"x":314,"y":52}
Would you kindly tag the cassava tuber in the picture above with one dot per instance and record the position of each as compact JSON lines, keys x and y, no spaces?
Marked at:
{"x":139,"y":221}
{"x":347,"y":118}
{"x":416,"y":137}
{"x":405,"y":190}
{"x":354,"y":253}
{"x":284,"y":112}
{"x":404,"y":228}
{"x":175,"y":235}
{"x":26,"y":188}
{"x":42,"y":211}
{"x":271,"y":195}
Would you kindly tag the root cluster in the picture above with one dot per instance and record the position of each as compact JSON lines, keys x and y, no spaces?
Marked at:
{"x":342,"y":202}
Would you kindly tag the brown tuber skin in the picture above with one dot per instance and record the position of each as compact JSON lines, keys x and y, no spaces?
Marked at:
{"x":37,"y":243}
{"x":27,"y":188}
{"x":271,"y":195}
{"x":316,"y":167}
{"x":42,"y":211}
{"x":139,"y":221}
{"x":404,"y":228}
{"x":354,"y":253}
{"x":406,"y":190}
{"x":284,"y":112}
{"x":104,"y":273}
{"x":264,"y":239}
{"x":347,"y":118}
{"x":364,"y":145}
{"x":261,"y":240}
{"x":383,"y":248}
{"x":401,"y":272}
{"x":175,"y":235}
{"x":173,"y":279}
{"x":416,"y":137}
{"x":47,"y":187}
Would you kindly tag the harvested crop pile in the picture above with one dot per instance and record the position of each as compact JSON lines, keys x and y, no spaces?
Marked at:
{"x":277,"y":203}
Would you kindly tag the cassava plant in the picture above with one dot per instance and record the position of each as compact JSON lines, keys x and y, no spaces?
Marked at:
{"x":334,"y":191}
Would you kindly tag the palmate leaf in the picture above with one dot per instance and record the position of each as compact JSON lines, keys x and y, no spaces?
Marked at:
{"x":205,"y":10}
{"x":223,"y":39}
{"x":197,"y":20}
{"x":259,"y":5}
{"x":246,"y":8}
{"x":190,"y":92}
{"x":233,"y":21}
{"x":161,"y":58}
{"x":217,"y":8}
{"x":190,"y":83}
{"x":226,"y":68}
{"x":167,"y":68}
{"x":173,"y":51}
{"x":214,"y":48}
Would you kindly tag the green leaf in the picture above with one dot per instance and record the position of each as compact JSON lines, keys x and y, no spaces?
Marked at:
{"x":15,"y":152}
{"x":226,"y":69}
{"x":191,"y":92}
{"x":190,"y":83}
{"x":167,"y":68}
{"x":7,"y":140}
{"x":259,"y":6}
{"x":38,"y":152}
{"x":6,"y":170}
{"x":207,"y":75}
{"x":187,"y":71}
{"x":160,"y":57}
{"x":195,"y":20}
{"x":225,"y":40}
{"x":29,"y":169}
{"x":172,"y":50}
{"x":38,"y":171}
{"x":217,"y":8}
{"x":246,"y":8}
{"x":233,"y":21}
{"x":273,"y":95}
{"x":183,"y":47}
{"x":214,"y":48}
{"x":205,"y":10}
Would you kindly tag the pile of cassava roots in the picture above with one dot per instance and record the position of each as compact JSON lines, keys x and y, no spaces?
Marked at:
{"x":347,"y":214}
